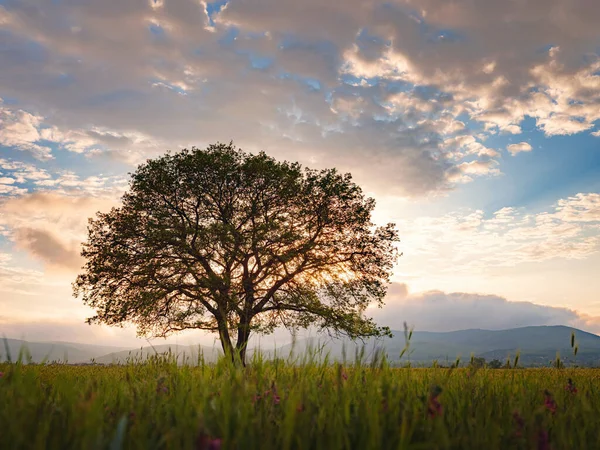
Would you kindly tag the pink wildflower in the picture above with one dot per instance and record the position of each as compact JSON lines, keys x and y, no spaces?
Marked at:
{"x":570,"y":387}
{"x":276,"y":397}
{"x":214,"y":444}
{"x":269,"y":392}
{"x":207,"y":443}
{"x":519,"y":424}
{"x":434,"y":407}
{"x":344,"y":375}
{"x":1,"y":374}
{"x":543,"y":440}
{"x":549,"y":402}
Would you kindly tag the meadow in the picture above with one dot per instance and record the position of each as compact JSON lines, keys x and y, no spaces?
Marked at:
{"x":158,"y":404}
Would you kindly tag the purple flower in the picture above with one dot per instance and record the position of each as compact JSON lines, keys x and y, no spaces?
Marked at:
{"x":570,"y":387}
{"x":214,"y":444}
{"x":519,"y":424}
{"x":543,"y":440}
{"x":204,"y":442}
{"x":434,"y":407}
{"x":549,"y":402}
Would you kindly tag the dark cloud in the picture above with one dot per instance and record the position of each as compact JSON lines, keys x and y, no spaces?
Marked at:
{"x":48,"y":248}
{"x":440,"y":311}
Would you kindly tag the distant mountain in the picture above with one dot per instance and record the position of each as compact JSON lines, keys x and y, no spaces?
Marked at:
{"x":536,"y":345}
{"x":52,"y":351}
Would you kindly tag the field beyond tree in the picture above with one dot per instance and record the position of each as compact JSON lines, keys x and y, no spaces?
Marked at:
{"x":277,"y":405}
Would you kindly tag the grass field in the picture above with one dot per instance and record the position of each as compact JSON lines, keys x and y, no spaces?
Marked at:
{"x":276,"y":405}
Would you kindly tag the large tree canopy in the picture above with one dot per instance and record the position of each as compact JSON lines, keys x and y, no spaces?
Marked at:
{"x":234,"y":243}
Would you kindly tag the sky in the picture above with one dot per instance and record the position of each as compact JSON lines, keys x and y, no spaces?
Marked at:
{"x":474,"y":124}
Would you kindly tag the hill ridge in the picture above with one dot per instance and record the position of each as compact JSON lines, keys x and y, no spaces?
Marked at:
{"x":536,"y":344}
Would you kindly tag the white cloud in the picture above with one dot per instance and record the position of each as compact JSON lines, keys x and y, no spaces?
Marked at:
{"x":512,"y":129}
{"x":21,"y":171}
{"x":469,"y":242}
{"x":518,"y":148}
{"x":19,"y":129}
{"x":584,"y":208}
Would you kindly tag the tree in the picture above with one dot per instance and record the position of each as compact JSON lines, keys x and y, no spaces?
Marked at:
{"x":495,"y":364}
{"x":477,"y":362}
{"x":233,"y":243}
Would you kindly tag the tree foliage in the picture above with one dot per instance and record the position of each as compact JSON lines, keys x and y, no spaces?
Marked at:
{"x":234,"y":243}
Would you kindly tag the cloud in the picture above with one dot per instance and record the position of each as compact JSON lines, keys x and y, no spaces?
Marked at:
{"x":7,"y":189}
{"x":518,"y":148}
{"x":50,"y":227}
{"x":583,"y":208}
{"x":382,"y":90}
{"x":485,"y":166}
{"x":440,"y":311}
{"x":19,"y":129}
{"x":22,"y":172}
{"x":6,"y":180}
{"x":47,"y":247}
{"x":470,"y":242}
{"x":426,"y":311}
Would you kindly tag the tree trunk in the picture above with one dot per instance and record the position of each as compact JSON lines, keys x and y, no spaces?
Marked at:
{"x":242,"y":340}
{"x":228,"y":349}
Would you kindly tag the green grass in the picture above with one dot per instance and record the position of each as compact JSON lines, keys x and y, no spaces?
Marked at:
{"x":276,"y":405}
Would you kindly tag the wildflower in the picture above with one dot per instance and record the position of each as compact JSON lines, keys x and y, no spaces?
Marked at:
{"x":1,"y":374}
{"x":549,"y":402}
{"x":570,"y":387}
{"x":276,"y":397}
{"x":269,"y":392}
{"x":434,"y":407}
{"x":214,"y":444}
{"x":519,"y":424}
{"x":543,"y":440}
{"x":204,"y":442}
{"x":161,"y":388}
{"x":344,"y":375}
